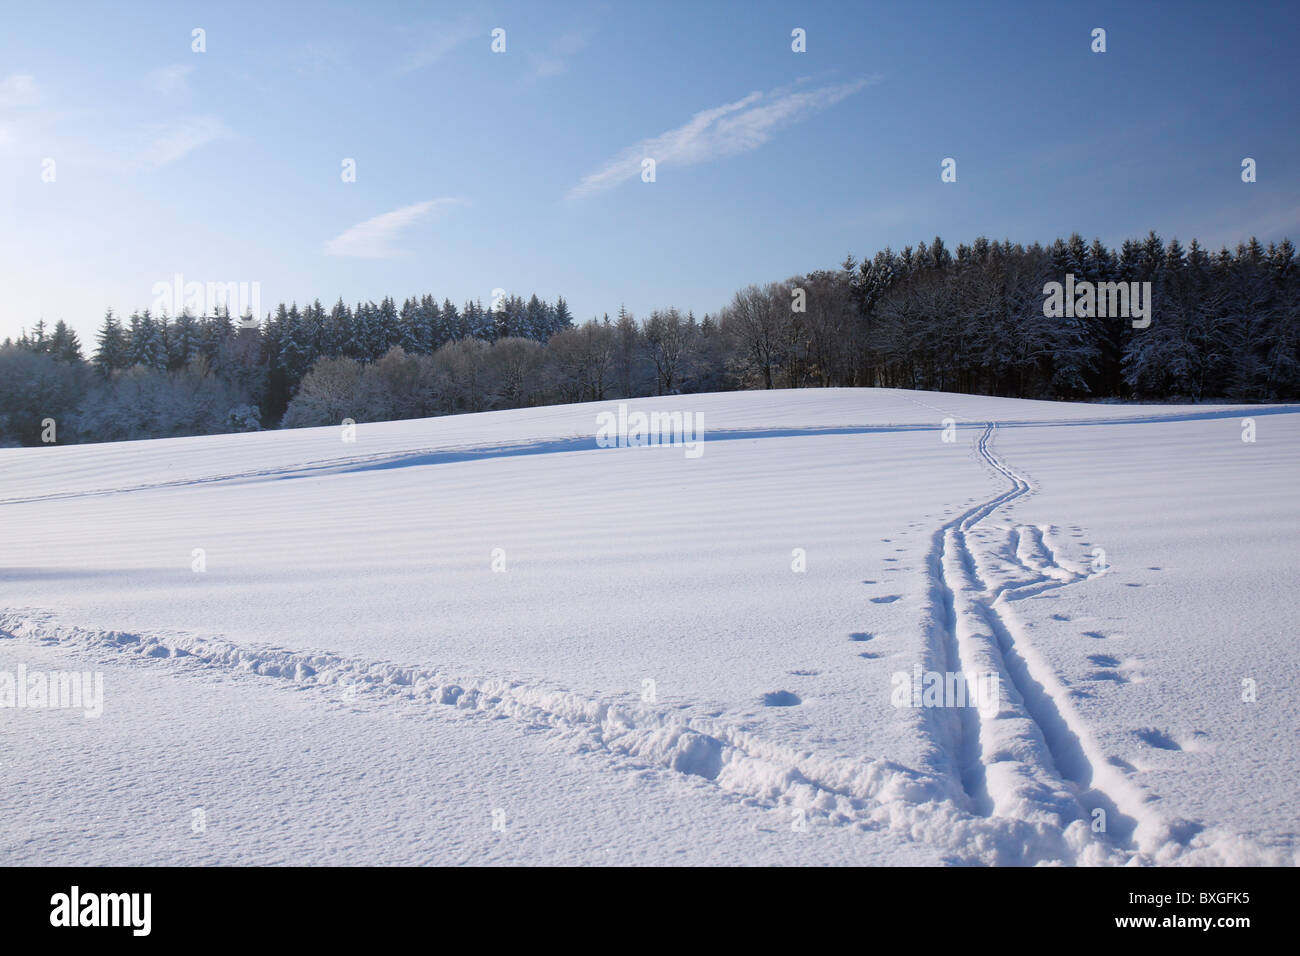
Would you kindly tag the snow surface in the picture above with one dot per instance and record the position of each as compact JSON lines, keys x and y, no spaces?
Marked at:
{"x":350,"y":681}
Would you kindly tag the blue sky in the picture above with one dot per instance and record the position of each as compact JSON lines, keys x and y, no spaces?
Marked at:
{"x":520,"y":170}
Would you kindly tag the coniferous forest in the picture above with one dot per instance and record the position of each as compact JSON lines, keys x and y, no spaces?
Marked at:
{"x":1223,"y":327}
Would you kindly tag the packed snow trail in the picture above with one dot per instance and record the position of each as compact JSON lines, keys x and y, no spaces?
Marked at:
{"x":1033,"y":760}
{"x":853,"y":792}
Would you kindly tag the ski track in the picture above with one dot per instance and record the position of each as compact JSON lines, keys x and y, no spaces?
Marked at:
{"x":1034,"y":760}
{"x":1024,"y":781}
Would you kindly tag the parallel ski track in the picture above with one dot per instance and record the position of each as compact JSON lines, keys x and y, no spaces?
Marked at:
{"x":1035,"y":759}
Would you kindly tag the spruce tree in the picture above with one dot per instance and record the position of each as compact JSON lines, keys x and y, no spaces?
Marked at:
{"x":183,"y":343}
{"x":561,"y":318}
{"x":408,"y":327}
{"x":111,"y":352}
{"x":386,"y":332}
{"x":147,"y":347}
{"x":64,"y":344}
{"x":430,"y":322}
{"x":39,"y":340}
{"x":451,"y":325}
{"x":535,"y":323}
{"x":338,"y":330}
{"x":361,"y":345}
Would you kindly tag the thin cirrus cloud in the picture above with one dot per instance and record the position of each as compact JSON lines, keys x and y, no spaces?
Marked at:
{"x":554,"y":59}
{"x":17,"y":90}
{"x":375,"y":238}
{"x":168,"y":80}
{"x":437,"y":43}
{"x":182,"y":138}
{"x":726,"y":130}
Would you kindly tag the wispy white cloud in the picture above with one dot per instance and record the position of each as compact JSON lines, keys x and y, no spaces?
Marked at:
{"x":17,"y":90}
{"x":180,"y":139}
{"x":168,"y":80}
{"x":554,"y":59}
{"x":436,"y":43}
{"x":317,"y":58}
{"x":726,"y":130}
{"x":374,"y":238}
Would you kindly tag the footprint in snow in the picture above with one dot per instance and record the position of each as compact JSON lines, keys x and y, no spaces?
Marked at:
{"x":1103,"y":660}
{"x":780,"y":698}
{"x":887,"y":599}
{"x":1183,"y":830}
{"x":1113,"y":676}
{"x":860,"y":636}
{"x":1157,"y":738}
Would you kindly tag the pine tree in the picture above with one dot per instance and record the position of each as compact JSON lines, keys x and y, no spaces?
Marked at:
{"x":940,"y":257}
{"x":147,"y":346}
{"x":215,"y":332}
{"x":38,"y":341}
{"x":183,"y":343}
{"x":295,"y":347}
{"x":386,"y":332}
{"x":112,"y":351}
{"x":535,"y":322}
{"x":1283,"y":258}
{"x":451,"y":325}
{"x":64,"y":344}
{"x":477,"y":321}
{"x":339,"y":331}
{"x":561,"y":318}
{"x":408,"y":324}
{"x":361,"y":344}
{"x":429,"y":318}
{"x":506,"y":319}
{"x":314,"y":337}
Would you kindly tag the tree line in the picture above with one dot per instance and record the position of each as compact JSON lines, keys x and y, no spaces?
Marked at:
{"x":1223,"y":326}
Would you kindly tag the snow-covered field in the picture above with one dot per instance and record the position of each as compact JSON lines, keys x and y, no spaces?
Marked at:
{"x":484,"y":639}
